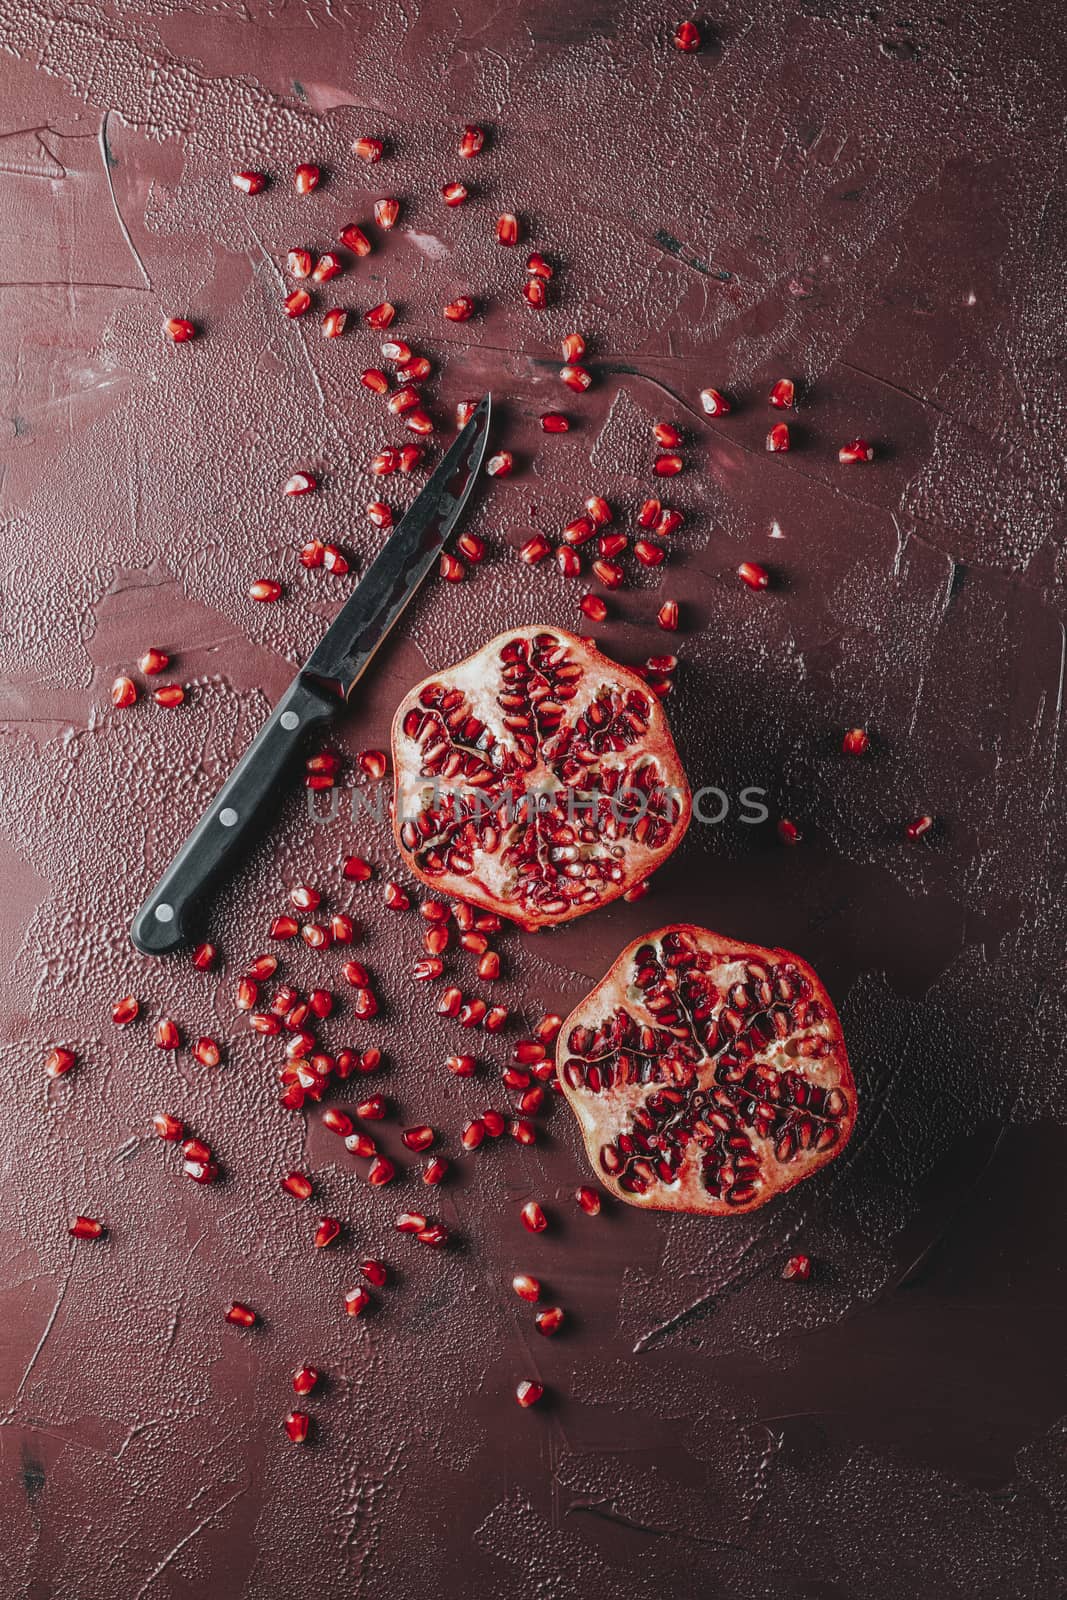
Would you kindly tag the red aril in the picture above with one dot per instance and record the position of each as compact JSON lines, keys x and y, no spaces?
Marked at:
{"x":299,"y":483}
{"x":265,"y":590}
{"x":125,"y":1010}
{"x":357,"y":1301}
{"x":578,"y":531}
{"x":649,"y":554}
{"x":306,"y":177}
{"x":386,"y":213}
{"x":298,"y":1184}
{"x":58,"y":1062}
{"x":241,"y":1316}
{"x":489,"y":966}
{"x":533,"y":1218}
{"x":528,"y":1393}
{"x":753,"y":575}
{"x":919,"y":826}
{"x":373,"y":762}
{"x":297,"y":303}
{"x":368,"y":150}
{"x":609,"y":573}
{"x":783,"y":394}
{"x":667,"y":616}
{"x":523,"y":1131}
{"x":385,"y":463}
{"x":454,"y":194}
{"x":576,"y":378}
{"x":123,"y":692}
{"x":298,"y":263}
{"x":460,"y":1066}
{"x":249,"y":182}
{"x":471,"y":547}
{"x":650,"y":513}
{"x":568,"y":561}
{"x":434,"y":1171}
{"x":549,"y":1321}
{"x":204,"y":957}
{"x":169,"y":696}
{"x":778,"y":438}
{"x":167,"y":1127}
{"x":353,"y":238}
{"x":857,"y":450}
{"x":418,"y":1138}
{"x":86,"y":1228}
{"x":460,"y":310}
{"x":284,"y":928}
{"x":526,"y":1288}
{"x":538,"y":267}
{"x":495,"y":1018}
{"x":472,"y":140}
{"x":593,"y":607}
{"x":598,"y":510}
{"x":415,"y":369}
{"x":336,"y":1121}
{"x":666,"y":434}
{"x":668,"y":465}
{"x":312,"y":553}
{"x":588,"y":1199}
{"x":333,"y":323}
{"x":381,"y":1171}
{"x":535,"y":293}
{"x":554,"y":422}
{"x":304,"y":1380}
{"x":707,"y":1075}
{"x":179,"y":330}
{"x":297,"y":1424}
{"x":797,"y":1269}
{"x":202,"y":1172}
{"x":507,"y":229}
{"x":547,"y":1030}
{"x":375,"y":1272}
{"x":167,"y":1036}
{"x":611,"y":544}
{"x":356,"y":869}
{"x":207,"y":1052}
{"x":856,"y":742}
{"x":714,"y":403}
{"x":381,"y":315}
{"x":668,"y":523}
{"x":342,"y":928}
{"x":473,"y":1134}
{"x":535,"y":549}
{"x":326,"y":267}
{"x":573,"y":347}
{"x":687,"y":37}
{"x":327,"y":1231}
{"x":500,"y":465}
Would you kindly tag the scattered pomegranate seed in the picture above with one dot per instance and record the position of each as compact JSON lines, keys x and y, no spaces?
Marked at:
{"x":494,"y":1123}
{"x":368,"y":150}
{"x":241,"y":1316}
{"x":306,"y":177}
{"x":528,"y":1393}
{"x":650,"y":513}
{"x":449,"y":1002}
{"x":573,"y":347}
{"x":554,"y":422}
{"x":535,"y":293}
{"x":788,"y":832}
{"x":381,"y":315}
{"x":207,"y":1052}
{"x":687,"y":37}
{"x":167,"y":1036}
{"x":471,"y":1013}
{"x":460,"y":310}
{"x":472,"y":141}
{"x":334,"y":560}
{"x":576,"y":378}
{"x":304,"y":1380}
{"x":179,"y":330}
{"x":249,"y":182}
{"x":355,"y":973}
{"x":386,"y":213}
{"x":326,"y":267}
{"x":525,"y":1287}
{"x":298,"y":1184}
{"x":797,"y":1268}
{"x":783,"y":394}
{"x":434,"y":1171}
{"x":86,"y":1228}
{"x":204,"y":957}
{"x":549,"y":1321}
{"x":312,"y":554}
{"x":714,"y":403}
{"x":419,"y":421}
{"x":401,"y":400}
{"x":918,"y":826}
{"x":338,"y":1122}
{"x":409,"y":457}
{"x":667,"y":466}
{"x":489,"y":966}
{"x":356,"y":869}
{"x":507,"y":229}
{"x":593,"y":607}
{"x":297,"y":1424}
{"x":299,"y":483}
{"x":464,"y":412}
{"x":858,"y":450}
{"x":436,"y":1235}
{"x":666,"y":434}
{"x":356,"y":1301}
{"x":395,"y":897}
{"x":375,"y":1272}
{"x":649,"y":554}
{"x":326,"y":1232}
{"x":381,"y":1171}
{"x":568,"y":561}
{"x":535,"y":550}
{"x":588,"y":1199}
{"x":410,"y":1222}
{"x":58,"y":1062}
{"x":427,"y":969}
{"x":354,"y":239}
{"x":778,"y":438}
{"x":166,"y":1126}
{"x":533,"y":1218}
{"x":454,"y":194}
{"x":578,"y":531}
{"x":856,"y":742}
{"x":265,"y":590}
{"x":297,"y":303}
{"x":752,"y":574}
{"x":473,"y":1134}
{"x":460,"y":1066}
{"x":333,"y":323}
{"x":169,"y":695}
{"x":298,"y":263}
{"x":418,"y":1138}
{"x":472,"y":547}
{"x":123,"y":692}
{"x":598,"y":511}
{"x":538,"y":267}
{"x":202,"y":1172}
{"x":284,"y":928}
{"x":385,"y":463}
{"x":668,"y":523}
{"x":373,"y":762}
{"x":125,"y":1010}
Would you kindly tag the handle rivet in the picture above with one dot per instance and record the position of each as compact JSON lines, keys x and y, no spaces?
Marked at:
{"x":227,"y":816}
{"x":164,"y":912}
{"x":289,"y":720}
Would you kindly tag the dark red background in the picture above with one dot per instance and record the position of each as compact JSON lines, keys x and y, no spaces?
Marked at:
{"x":870,"y":203}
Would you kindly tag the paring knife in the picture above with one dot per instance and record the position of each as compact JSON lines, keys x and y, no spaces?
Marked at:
{"x":316,"y":694}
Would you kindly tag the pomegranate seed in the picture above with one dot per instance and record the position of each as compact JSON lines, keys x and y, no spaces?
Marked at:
{"x":265,"y":590}
{"x":374,"y":380}
{"x":528,"y":1393}
{"x":471,"y":546}
{"x":588,"y":1199}
{"x":311,"y":555}
{"x":612,"y":544}
{"x":169,"y":695}
{"x":125,"y":1010}
{"x":410,"y":1222}
{"x":449,"y":1003}
{"x":494,"y":1123}
{"x":573,"y":347}
{"x":385,"y":463}
{"x":354,"y":239}
{"x":304,"y":1380}
{"x":405,"y":399}
{"x":364,"y":1004}
{"x":86,"y":1228}
{"x":666,"y":434}
{"x":409,"y":457}
{"x":464,"y":412}
{"x":381,"y":315}
{"x":419,"y":421}
{"x":355,"y":973}
{"x":593,"y":607}
{"x":752,"y":574}
{"x":58,"y":1062}
{"x":207,"y":1052}
{"x":538,"y":267}
{"x":535,"y":293}
{"x":203,"y":1172}
{"x":315,"y":936}
{"x":609,"y":573}
{"x":326,"y":1232}
{"x":549,"y":1321}
{"x":797,"y":1268}
{"x":368,"y":150}
{"x":373,"y":1109}
{"x":472,"y":1013}
{"x":416,"y":369}
{"x":342,"y":928}
{"x":334,"y":560}
{"x":649,"y":514}
{"x":375,"y":1272}
{"x":778,"y":438}
{"x":578,"y":531}
{"x":460,"y":310}
{"x":298,"y":263}
{"x":472,"y":141}
{"x":500,"y":465}
{"x":249,"y":182}
{"x":419,"y":1138}
{"x":495,"y":1019}
{"x":436,"y":1235}
{"x":783,"y":395}
{"x":373,"y":762}
{"x":687,"y":37}
{"x":241,"y":1316}
{"x":598,"y":510}
{"x":297,"y":1424}
{"x":167,"y":1036}
{"x":533,"y":1218}
{"x":489,"y":966}
{"x":523,"y":1131}
{"x":714,"y":403}
{"x":649,"y":554}
{"x":338,"y":1122}
{"x":395,"y":897}
{"x":167,"y":1127}
{"x":300,"y":483}
{"x":298,"y":1184}
{"x":473,"y":1134}
{"x":858,"y":450}
{"x":856,"y":742}
{"x":554,"y":422}
{"x":356,"y":1301}
{"x":427,"y":969}
{"x":525,"y":1287}
{"x":306,"y":177}
{"x":454,"y":194}
{"x":297,"y":303}
{"x":576,"y":378}
{"x":386,"y":213}
{"x":284,"y":928}
{"x":333,"y":323}
{"x":123,"y":692}
{"x":204,"y":957}
{"x":381,"y":1171}
{"x":528,"y":1052}
{"x":507,"y":229}
{"x":460,"y":1066}
{"x":264,"y":1023}
{"x":918,"y":826}
{"x":356,"y":869}
{"x":568,"y":561}
{"x":179,"y":330}
{"x":668,"y":523}
{"x":434,"y":1171}
{"x":321,"y":1002}
{"x":195,"y":1150}
{"x":788,"y":832}
{"x":361,"y":1144}
{"x":477,"y":943}
{"x":326,"y":267}
{"x":667,"y":466}
{"x":535,"y":550}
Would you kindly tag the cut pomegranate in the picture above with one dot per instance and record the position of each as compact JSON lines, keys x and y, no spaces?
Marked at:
{"x":554,"y":422}
{"x":549,"y":1321}
{"x":507,"y":229}
{"x":528,"y":1393}
{"x":249,"y":182}
{"x":297,"y":303}
{"x":169,"y":695}
{"x":778,"y":438}
{"x":707,"y":1075}
{"x":353,"y":238}
{"x":86,"y":1228}
{"x":386,"y":213}
{"x":460,"y":310}
{"x":536,"y":710}
{"x":714,"y":403}
{"x":454,"y":194}
{"x":858,"y":450}
{"x":533,"y":1218}
{"x":368,"y":150}
{"x":797,"y":1269}
{"x":752,"y":574}
{"x":241,"y":1316}
{"x":472,"y":140}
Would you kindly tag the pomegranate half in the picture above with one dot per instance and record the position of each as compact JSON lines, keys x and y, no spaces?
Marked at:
{"x":537,"y":778}
{"x":707,"y":1075}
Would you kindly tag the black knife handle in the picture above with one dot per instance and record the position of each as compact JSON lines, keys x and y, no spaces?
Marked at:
{"x":164,"y":921}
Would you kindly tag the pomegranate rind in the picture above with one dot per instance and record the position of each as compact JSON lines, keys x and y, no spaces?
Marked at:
{"x":780,"y":1081}
{"x":590,"y":844}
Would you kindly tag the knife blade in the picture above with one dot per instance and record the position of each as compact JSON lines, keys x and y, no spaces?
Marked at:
{"x":319,"y":690}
